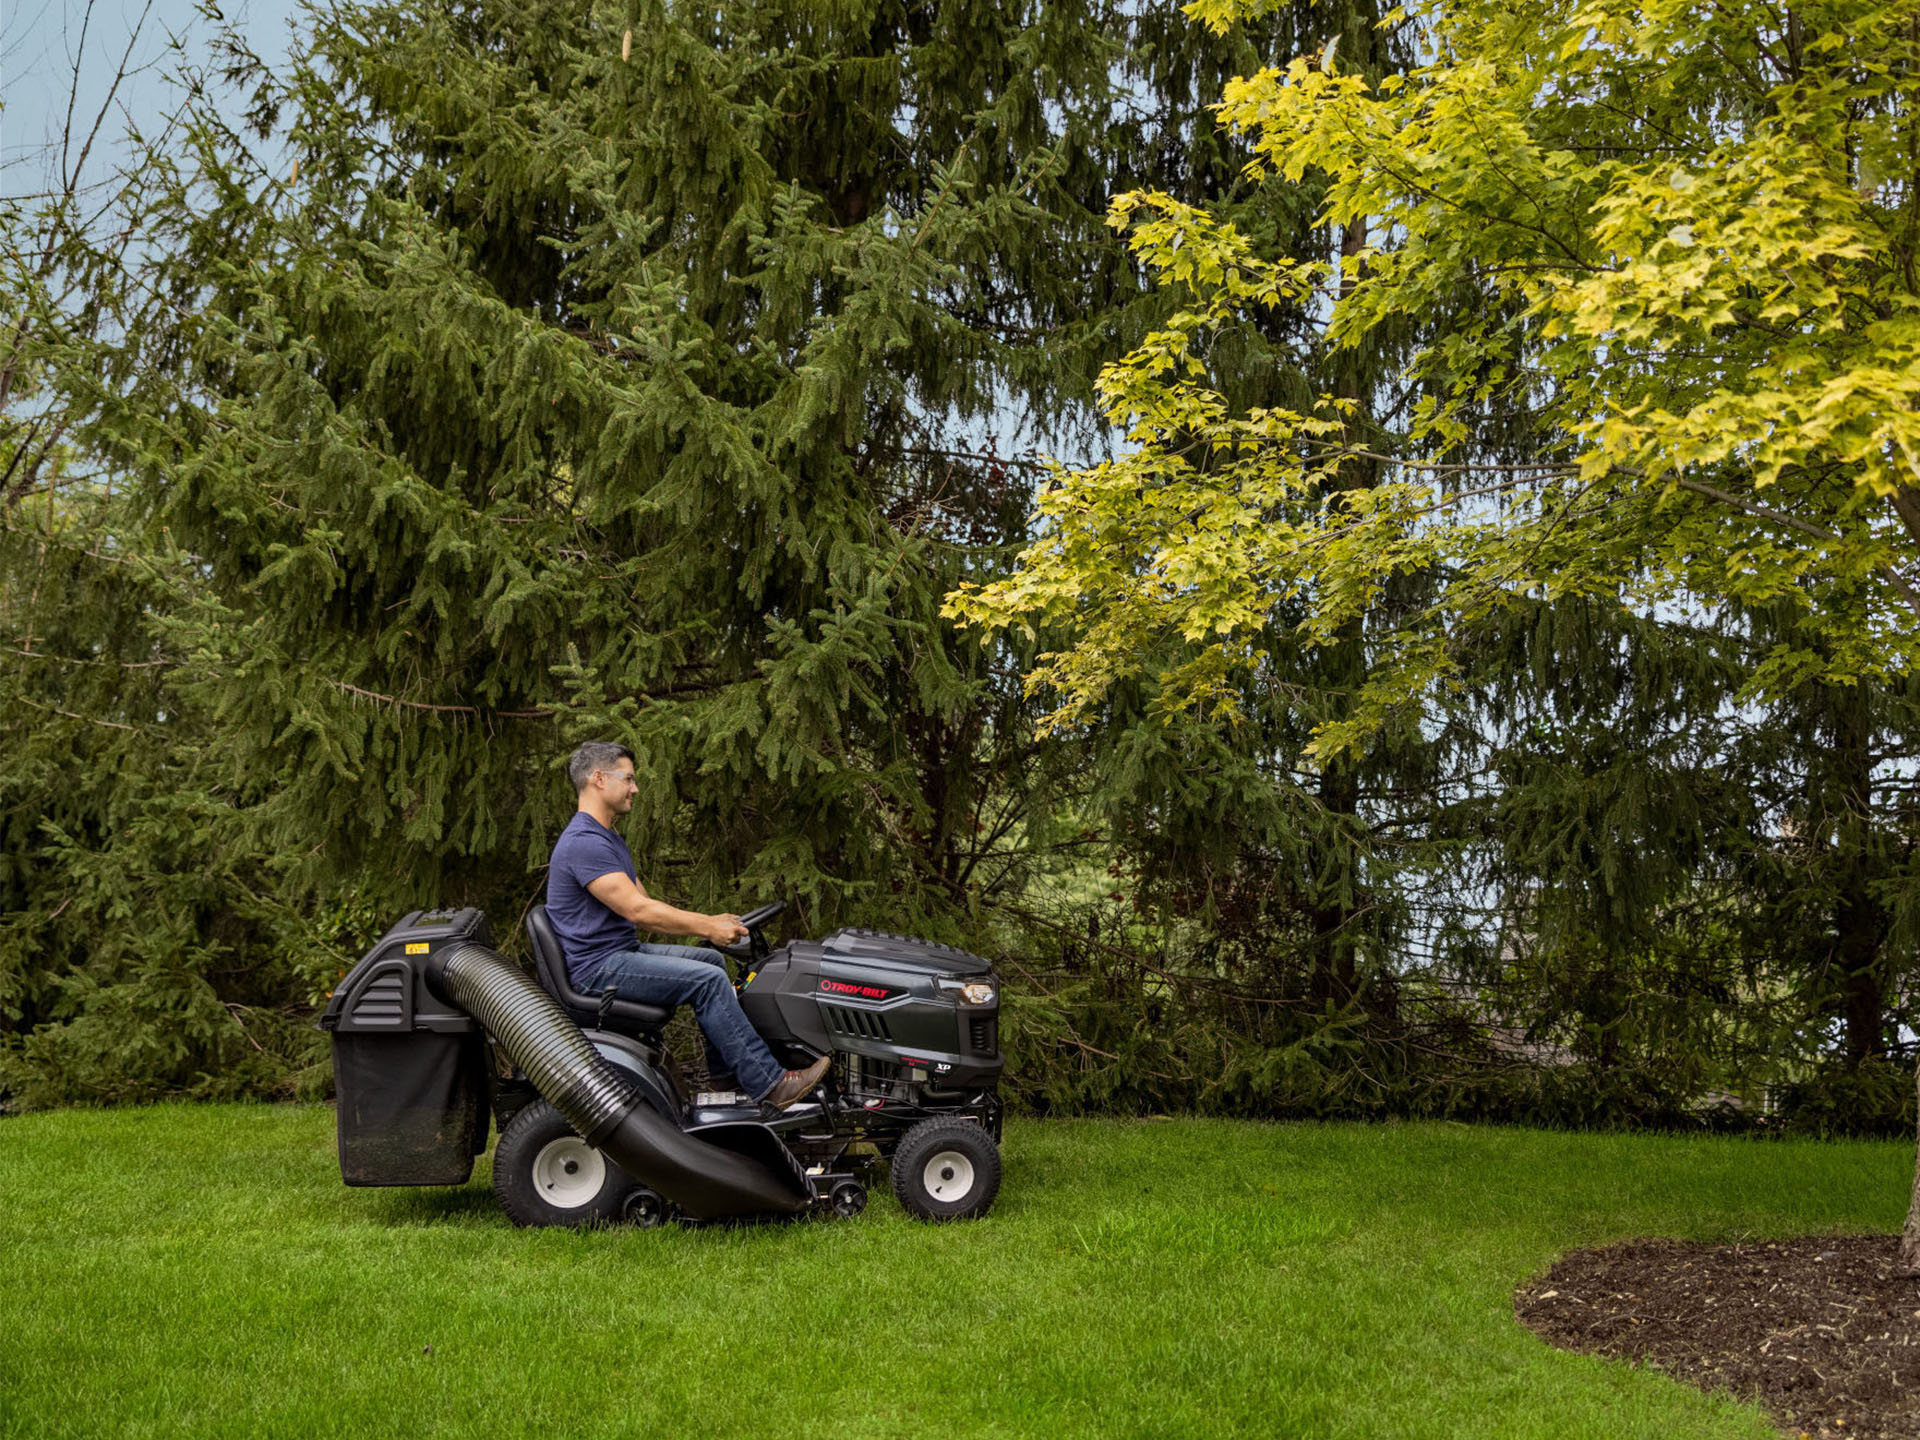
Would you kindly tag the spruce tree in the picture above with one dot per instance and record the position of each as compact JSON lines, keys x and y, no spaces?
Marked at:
{"x":637,"y":371}
{"x":141,"y":953}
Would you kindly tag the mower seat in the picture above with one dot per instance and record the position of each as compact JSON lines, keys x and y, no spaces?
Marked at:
{"x":629,"y":1016}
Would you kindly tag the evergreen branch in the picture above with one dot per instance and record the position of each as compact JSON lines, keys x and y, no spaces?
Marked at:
{"x":946,"y":185}
{"x":1217,"y":985}
{"x":543,"y":713}
{"x":77,"y":660}
{"x":974,"y":457}
{"x":27,"y":460}
{"x":1075,"y":1040}
{"x":234,"y":1009}
{"x":68,"y":714}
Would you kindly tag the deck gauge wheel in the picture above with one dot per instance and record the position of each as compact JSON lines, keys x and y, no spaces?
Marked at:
{"x":849,"y":1198}
{"x":645,"y":1209}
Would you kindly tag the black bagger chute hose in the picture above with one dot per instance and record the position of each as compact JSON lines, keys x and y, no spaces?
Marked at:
{"x":747,"y":1172}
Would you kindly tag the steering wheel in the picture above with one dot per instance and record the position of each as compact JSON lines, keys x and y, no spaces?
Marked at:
{"x":755,"y":946}
{"x":755,"y":918}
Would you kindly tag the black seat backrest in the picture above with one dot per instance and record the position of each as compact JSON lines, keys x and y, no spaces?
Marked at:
{"x":629,"y":1016}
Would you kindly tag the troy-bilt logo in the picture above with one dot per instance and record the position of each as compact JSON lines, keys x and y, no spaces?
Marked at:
{"x":865,"y":992}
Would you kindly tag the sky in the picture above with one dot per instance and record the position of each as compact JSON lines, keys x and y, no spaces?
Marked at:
{"x":44,"y":42}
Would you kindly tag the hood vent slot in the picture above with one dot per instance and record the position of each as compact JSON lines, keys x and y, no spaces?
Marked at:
{"x":862,"y":1024}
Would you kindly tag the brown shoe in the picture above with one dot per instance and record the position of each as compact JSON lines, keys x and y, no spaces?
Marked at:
{"x":795,"y":1084}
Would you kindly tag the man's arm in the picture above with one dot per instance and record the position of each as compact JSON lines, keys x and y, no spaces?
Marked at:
{"x":630,"y":901}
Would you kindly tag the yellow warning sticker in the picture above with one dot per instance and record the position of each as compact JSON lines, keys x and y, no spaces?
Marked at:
{"x":418,"y":947}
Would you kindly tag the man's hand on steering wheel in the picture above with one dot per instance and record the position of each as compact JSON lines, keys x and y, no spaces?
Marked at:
{"x":725,"y":930}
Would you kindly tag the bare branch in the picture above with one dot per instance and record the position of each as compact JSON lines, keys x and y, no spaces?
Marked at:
{"x":1794,"y":522}
{"x":540,"y":714}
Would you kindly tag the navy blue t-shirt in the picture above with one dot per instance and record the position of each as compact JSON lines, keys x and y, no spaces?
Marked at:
{"x":589,"y":932}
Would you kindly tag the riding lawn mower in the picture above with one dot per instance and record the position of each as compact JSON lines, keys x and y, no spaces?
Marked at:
{"x":435,"y":1034}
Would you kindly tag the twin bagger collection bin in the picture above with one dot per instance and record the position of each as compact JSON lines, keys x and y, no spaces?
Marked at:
{"x":410,"y":1070}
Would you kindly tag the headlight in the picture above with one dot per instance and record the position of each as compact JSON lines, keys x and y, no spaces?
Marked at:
{"x":978,"y":993}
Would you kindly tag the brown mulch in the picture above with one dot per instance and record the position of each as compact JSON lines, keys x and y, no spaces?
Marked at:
{"x":1825,"y":1333}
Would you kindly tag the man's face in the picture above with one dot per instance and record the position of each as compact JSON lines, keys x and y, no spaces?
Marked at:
{"x":618,"y":786}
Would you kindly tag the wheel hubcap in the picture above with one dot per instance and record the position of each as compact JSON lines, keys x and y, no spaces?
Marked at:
{"x":568,"y":1172}
{"x":948,"y":1176}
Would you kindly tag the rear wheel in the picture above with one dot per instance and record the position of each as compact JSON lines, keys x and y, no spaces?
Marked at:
{"x":946,"y":1170}
{"x":545,"y":1174}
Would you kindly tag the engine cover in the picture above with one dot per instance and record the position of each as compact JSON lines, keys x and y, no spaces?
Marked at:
{"x":886,"y":997}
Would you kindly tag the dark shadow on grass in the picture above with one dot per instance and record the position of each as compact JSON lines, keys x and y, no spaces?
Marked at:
{"x":769,"y":1221}
{"x":410,"y":1206}
{"x":418,"y":1207}
{"x":435,"y":1207}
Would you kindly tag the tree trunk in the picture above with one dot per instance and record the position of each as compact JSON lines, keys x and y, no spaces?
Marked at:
{"x":1336,"y":971}
{"x":1336,"y":974}
{"x":1910,"y":1236}
{"x":1860,"y":920}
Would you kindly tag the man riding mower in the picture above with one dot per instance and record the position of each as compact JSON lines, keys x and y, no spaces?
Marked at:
{"x":877,"y":1048}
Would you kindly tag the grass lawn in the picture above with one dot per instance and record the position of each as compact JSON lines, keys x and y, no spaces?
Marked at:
{"x":202,"y":1271}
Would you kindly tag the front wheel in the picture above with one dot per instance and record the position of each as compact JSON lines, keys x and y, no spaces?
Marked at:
{"x":545,"y":1174}
{"x":946,"y":1170}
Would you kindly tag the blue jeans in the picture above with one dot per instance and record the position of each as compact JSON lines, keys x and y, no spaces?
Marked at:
{"x":670,"y":975}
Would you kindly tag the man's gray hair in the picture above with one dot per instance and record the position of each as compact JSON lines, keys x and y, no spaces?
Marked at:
{"x":592,"y":756}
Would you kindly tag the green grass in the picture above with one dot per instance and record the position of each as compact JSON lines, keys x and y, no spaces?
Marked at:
{"x":201,"y":1271}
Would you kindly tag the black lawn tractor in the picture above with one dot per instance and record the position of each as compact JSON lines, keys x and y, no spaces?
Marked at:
{"x":434,"y":1034}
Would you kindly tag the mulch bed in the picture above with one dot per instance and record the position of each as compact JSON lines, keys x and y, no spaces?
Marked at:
{"x":1825,"y":1333}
